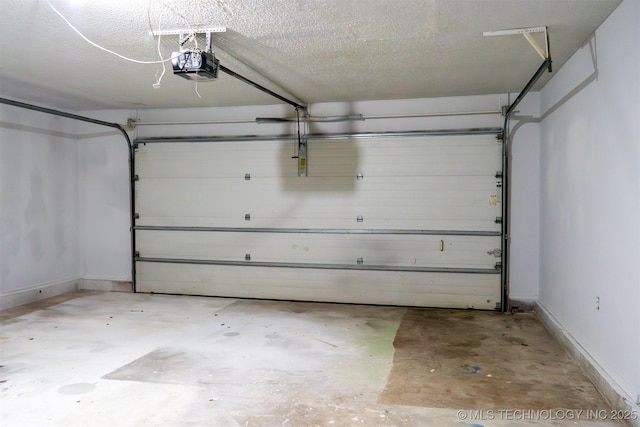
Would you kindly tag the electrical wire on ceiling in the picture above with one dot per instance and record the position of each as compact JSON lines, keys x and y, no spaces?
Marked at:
{"x":156,"y":85}
{"x":137,"y":61}
{"x":162,"y":61}
{"x":191,"y":36}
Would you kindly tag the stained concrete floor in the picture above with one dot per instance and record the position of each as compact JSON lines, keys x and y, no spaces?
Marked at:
{"x":116,"y":359}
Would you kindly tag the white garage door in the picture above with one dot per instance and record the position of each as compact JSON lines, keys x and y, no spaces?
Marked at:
{"x":384,"y":219}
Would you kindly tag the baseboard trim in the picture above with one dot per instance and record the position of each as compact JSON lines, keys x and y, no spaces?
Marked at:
{"x":36,"y":293}
{"x":606,"y":385}
{"x":105,"y":285}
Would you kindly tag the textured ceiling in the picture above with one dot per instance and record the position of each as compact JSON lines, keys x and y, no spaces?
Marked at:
{"x":310,"y":50}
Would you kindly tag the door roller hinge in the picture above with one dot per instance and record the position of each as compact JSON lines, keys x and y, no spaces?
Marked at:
{"x":496,"y":252}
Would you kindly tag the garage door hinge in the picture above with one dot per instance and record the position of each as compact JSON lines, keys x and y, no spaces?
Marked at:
{"x":135,"y":145}
{"x":136,"y":216}
{"x":136,"y":255}
{"x":359,"y":218}
{"x":360,"y":261}
{"x":498,"y":220}
{"x":247,"y":177}
{"x":247,"y":217}
{"x":496,"y":252}
{"x":498,"y":174}
{"x":498,"y":266}
{"x":136,"y":177}
{"x":247,"y":257}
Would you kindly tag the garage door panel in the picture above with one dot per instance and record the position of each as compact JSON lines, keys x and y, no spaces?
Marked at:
{"x":221,"y":160}
{"x":391,"y":187}
{"x":198,"y":167}
{"x":299,"y":217}
{"x":396,"y":200}
{"x":338,"y":223}
{"x":418,"y":158}
{"x":361,"y":287}
{"x":392,"y":250}
{"x":335,"y":158}
{"x":173,"y":201}
{"x":432,"y":166}
{"x":420,"y":211}
{"x":332,"y":184}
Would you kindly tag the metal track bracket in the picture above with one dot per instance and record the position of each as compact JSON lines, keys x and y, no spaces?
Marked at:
{"x":302,"y":157}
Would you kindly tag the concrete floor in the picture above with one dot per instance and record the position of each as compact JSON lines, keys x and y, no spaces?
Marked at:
{"x":117,"y":359}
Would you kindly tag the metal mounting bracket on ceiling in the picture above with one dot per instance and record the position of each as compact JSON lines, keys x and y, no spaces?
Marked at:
{"x":192,"y":31}
{"x":184,"y":35}
{"x":526,"y":32}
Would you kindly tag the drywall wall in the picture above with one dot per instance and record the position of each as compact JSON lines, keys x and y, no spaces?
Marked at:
{"x":38,"y":200}
{"x":103,"y":194}
{"x":590,"y":198}
{"x":103,"y":169}
{"x":524,"y":232}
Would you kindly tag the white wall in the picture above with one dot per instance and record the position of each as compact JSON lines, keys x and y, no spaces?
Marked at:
{"x":38,"y":200}
{"x":104,"y":213}
{"x":590,"y":198}
{"x":104,"y":192}
{"x":524,"y":233}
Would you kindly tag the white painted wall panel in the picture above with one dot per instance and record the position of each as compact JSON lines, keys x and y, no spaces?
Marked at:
{"x":38,"y":200}
{"x":104,"y":204}
{"x":524,"y":185}
{"x":590,"y":199}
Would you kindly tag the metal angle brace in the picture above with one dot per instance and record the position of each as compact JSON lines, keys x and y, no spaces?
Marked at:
{"x":526,"y":32}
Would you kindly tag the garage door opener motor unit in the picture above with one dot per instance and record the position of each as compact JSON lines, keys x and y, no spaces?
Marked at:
{"x":194,"y":63}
